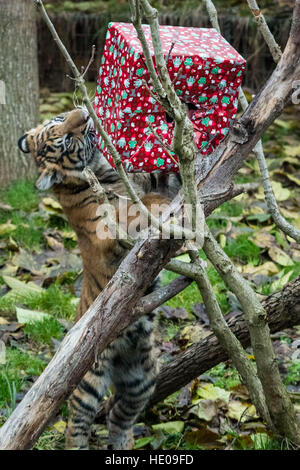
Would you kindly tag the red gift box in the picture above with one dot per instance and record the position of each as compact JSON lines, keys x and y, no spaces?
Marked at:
{"x":206,"y":72}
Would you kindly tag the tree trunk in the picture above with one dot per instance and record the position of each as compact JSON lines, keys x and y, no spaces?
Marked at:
{"x":19,"y":87}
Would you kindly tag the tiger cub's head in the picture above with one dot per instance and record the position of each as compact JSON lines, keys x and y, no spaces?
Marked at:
{"x":61,"y":147}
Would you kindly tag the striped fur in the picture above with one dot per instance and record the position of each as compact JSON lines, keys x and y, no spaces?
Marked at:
{"x":61,"y":148}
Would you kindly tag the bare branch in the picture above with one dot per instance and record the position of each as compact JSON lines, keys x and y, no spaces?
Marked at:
{"x":227,"y":339}
{"x":265,"y":31}
{"x":101,"y":196}
{"x":213,"y":14}
{"x":273,"y":208}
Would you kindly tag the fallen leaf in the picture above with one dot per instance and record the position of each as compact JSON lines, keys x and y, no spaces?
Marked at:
{"x":279,"y":256}
{"x":203,"y":436}
{"x":60,"y":426}
{"x":25,"y":260}
{"x":258,"y":426}
{"x":185,"y":395}
{"x":11,"y":326}
{"x":281,"y":193}
{"x":170,"y":312}
{"x":266,"y":269}
{"x":2,"y":353}
{"x":210,"y":392}
{"x":263,"y":239}
{"x":293,"y":178}
{"x":205,"y":409}
{"x":143,"y":441}
{"x":170,"y":427}
{"x":278,"y":284}
{"x":199,"y":311}
{"x":292,"y":151}
{"x":22,"y":287}
{"x":27,"y":316}
{"x":295,"y":255}
{"x":289,"y":214}
{"x":53,"y":242}
{"x":240,"y":391}
{"x":5,"y":207}
{"x":7,"y":228}
{"x":158,"y":439}
{"x":238,"y":409}
{"x":51,"y":204}
{"x":192,"y":334}
{"x":222,"y":240}
{"x":70,"y":235}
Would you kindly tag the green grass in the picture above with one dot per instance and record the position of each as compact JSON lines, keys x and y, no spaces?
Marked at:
{"x":186,"y":298}
{"x":243,"y":250}
{"x":23,"y":198}
{"x":50,"y":440}
{"x":293,"y":374}
{"x":225,"y":377}
{"x":230,"y":209}
{"x":54,"y":300}
{"x":262,"y":441}
{"x":225,"y":211}
{"x":191,"y":294}
{"x":26,"y":234}
{"x":170,"y":327}
{"x":41,"y":332}
{"x":21,"y":195}
{"x":19,"y":365}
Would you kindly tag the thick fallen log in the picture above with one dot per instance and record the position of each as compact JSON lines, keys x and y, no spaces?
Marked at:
{"x":283,"y":310}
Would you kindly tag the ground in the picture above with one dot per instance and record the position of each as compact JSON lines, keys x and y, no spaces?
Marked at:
{"x":40,"y":274}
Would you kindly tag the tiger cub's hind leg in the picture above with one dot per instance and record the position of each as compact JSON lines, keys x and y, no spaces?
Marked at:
{"x":84,"y":404}
{"x":134,"y":374}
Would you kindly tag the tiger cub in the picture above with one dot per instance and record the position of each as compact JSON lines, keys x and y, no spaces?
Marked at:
{"x":62,"y":147}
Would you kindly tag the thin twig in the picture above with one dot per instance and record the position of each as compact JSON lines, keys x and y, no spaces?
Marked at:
{"x":170,"y":52}
{"x":90,"y":61}
{"x":165,"y":145}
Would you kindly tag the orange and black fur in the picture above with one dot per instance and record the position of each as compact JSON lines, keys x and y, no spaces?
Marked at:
{"x":62,"y":148}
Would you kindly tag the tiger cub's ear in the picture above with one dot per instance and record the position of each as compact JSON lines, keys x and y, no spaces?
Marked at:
{"x":23,"y":144}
